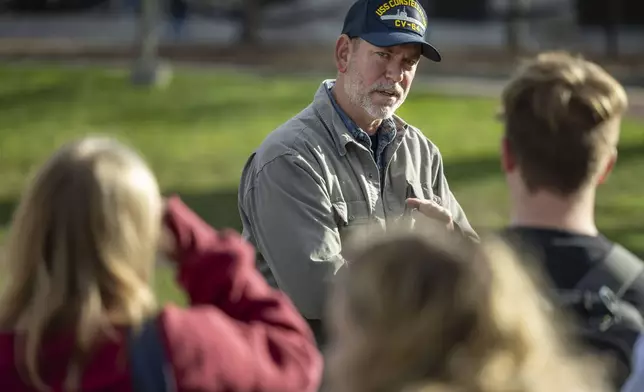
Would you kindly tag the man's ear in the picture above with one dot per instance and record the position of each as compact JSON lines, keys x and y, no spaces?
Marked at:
{"x":608,"y":168}
{"x":508,"y":162}
{"x":342,"y":53}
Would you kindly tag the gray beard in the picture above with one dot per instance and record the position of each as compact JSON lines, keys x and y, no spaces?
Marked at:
{"x":353,"y":86}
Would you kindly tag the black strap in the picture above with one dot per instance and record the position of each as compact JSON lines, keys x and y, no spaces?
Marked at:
{"x":147,"y":357}
{"x":608,"y":323}
{"x":605,"y":285}
{"x":619,"y":270}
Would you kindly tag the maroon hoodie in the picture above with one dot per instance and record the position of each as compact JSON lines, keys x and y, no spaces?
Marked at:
{"x":237,"y":335}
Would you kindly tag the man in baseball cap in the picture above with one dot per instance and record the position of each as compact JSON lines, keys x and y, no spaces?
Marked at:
{"x":387,"y":23}
{"x":346,"y":161}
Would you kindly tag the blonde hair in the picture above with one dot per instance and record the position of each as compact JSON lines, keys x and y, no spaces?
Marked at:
{"x":81,"y":250}
{"x":561,"y":117}
{"x":424,"y":312}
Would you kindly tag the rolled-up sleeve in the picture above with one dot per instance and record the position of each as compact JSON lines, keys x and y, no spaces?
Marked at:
{"x":294,"y":229}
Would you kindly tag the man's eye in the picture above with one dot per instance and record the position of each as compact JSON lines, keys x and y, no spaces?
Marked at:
{"x":383,"y":55}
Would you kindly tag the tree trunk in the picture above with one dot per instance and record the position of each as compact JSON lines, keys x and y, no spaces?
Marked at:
{"x":146,"y":67}
{"x":611,"y":27}
{"x":251,"y":22}
{"x":515,"y":23}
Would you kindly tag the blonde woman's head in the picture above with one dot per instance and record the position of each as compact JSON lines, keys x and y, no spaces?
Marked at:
{"x":422,"y":311}
{"x":81,"y":247}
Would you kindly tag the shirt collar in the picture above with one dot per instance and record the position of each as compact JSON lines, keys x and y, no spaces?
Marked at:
{"x":323,"y":105}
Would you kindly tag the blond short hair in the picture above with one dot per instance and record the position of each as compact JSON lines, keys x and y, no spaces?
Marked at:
{"x":561,"y":117}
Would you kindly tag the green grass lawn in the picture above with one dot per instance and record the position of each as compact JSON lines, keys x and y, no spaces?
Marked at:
{"x":198,"y":132}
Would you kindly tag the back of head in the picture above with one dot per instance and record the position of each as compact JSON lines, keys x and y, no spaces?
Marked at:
{"x":81,"y":246}
{"x":562,"y":116}
{"x":422,"y":311}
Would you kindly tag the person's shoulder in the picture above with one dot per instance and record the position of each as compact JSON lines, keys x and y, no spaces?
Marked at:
{"x":521,"y":240}
{"x":186,"y":334}
{"x":415,"y":135}
{"x":633,"y":262}
{"x":413,"y":132}
{"x":291,"y":138}
{"x":208,"y":347}
{"x":184,"y":330}
{"x":621,"y":250}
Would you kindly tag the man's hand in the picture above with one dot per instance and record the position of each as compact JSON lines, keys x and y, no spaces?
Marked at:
{"x":432,"y":210}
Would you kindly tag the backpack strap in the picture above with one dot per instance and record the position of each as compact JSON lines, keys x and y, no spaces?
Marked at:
{"x":618,"y":271}
{"x":147,"y":359}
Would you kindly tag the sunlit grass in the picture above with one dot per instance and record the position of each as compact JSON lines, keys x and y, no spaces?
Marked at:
{"x":198,"y":132}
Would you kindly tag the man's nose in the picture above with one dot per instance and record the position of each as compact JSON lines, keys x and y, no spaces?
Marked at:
{"x":395,"y":73}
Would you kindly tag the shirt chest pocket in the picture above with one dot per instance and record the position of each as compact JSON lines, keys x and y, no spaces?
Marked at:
{"x":422,"y":191}
{"x":352,"y":218}
{"x":396,"y":198}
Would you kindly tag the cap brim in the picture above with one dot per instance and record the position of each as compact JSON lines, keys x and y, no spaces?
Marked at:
{"x":386,"y":39}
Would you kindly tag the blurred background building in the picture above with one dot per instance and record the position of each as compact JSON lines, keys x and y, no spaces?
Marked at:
{"x":610,"y":26}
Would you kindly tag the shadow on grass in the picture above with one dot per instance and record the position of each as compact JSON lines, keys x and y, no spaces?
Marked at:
{"x":474,"y":169}
{"x":219,"y":207}
{"x":630,"y":236}
{"x":234,"y":108}
{"x":27,"y":97}
{"x":482,"y":168}
{"x":6,"y":211}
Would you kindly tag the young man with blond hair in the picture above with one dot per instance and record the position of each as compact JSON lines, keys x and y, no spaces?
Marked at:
{"x":562,"y":117}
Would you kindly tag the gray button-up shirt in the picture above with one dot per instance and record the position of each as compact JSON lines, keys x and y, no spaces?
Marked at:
{"x":311,"y":184}
{"x":385,"y":134}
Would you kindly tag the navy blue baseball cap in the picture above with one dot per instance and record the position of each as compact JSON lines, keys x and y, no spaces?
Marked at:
{"x":387,"y":23}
